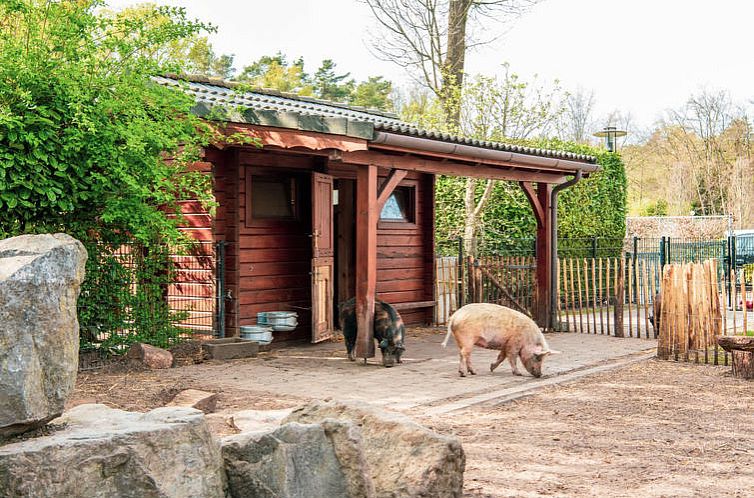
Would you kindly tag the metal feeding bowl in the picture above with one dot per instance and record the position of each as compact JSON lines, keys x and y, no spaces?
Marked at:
{"x":256,"y":333}
{"x":280,"y":321}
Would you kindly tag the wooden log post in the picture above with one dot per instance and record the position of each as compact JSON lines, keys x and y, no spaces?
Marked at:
{"x":620,"y":297}
{"x":742,"y":353}
{"x":366,"y":258}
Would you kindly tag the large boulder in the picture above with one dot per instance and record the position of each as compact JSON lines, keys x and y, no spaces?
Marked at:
{"x":293,"y":461}
{"x":40,"y":279}
{"x":404,"y":458}
{"x":96,"y":451}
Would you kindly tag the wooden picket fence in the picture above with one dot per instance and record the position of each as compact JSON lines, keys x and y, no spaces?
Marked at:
{"x":615,"y":296}
{"x":504,"y":280}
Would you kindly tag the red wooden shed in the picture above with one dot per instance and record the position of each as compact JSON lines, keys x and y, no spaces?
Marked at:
{"x":339,"y":202}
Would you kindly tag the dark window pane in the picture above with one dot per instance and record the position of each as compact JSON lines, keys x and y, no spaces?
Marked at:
{"x":272,"y":197}
{"x":397,"y":206}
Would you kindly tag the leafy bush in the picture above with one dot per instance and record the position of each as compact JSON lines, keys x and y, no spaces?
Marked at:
{"x":594,"y":207}
{"x":84,"y":137}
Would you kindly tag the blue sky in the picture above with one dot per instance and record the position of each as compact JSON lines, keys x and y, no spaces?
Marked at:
{"x":639,"y":56}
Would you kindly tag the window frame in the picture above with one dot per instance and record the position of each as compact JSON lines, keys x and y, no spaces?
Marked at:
{"x":298,"y":197}
{"x":411,"y":186}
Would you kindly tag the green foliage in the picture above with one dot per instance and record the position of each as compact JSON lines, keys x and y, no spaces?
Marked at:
{"x":331,"y":86}
{"x":84,"y":137}
{"x":275,"y":72}
{"x":83,"y":129}
{"x":595,"y":207}
{"x":657,"y":208}
{"x":374,"y":93}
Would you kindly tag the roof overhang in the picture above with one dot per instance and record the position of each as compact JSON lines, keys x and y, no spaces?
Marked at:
{"x":494,"y":157}
{"x":395,"y":151}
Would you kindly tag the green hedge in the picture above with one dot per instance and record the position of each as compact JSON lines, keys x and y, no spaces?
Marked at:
{"x":595,"y":207}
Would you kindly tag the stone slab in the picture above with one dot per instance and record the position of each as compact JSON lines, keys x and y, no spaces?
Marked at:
{"x":194,"y":398}
{"x":231,"y":350}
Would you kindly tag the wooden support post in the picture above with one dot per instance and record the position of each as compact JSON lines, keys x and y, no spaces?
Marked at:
{"x":366,"y":258}
{"x":540,"y":202}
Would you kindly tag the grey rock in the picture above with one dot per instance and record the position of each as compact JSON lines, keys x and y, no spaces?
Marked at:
{"x":293,"y":461}
{"x":347,"y":442}
{"x":40,"y":279}
{"x":98,"y":451}
{"x":404,"y":458}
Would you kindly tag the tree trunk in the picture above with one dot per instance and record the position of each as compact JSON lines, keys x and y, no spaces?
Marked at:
{"x":473,"y":211}
{"x":455,"y":58}
{"x":469,"y":225}
{"x":743,"y":364}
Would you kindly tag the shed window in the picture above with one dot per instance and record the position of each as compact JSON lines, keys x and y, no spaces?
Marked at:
{"x":399,"y":206}
{"x":273,"y":197}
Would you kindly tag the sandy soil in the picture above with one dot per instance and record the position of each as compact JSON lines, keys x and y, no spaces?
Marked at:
{"x":650,"y":429}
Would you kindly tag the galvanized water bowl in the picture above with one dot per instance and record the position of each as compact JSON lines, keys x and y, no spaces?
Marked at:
{"x":257,"y":333}
{"x":280,"y":321}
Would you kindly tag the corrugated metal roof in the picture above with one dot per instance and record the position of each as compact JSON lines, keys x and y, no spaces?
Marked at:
{"x":274,"y":108}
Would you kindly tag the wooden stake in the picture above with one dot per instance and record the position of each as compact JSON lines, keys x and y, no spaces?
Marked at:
{"x":564,"y":265}
{"x":581,"y":303}
{"x":637,"y":295}
{"x":743,"y":302}
{"x":630,"y":297}
{"x":594,"y":293}
{"x":644,"y":281}
{"x":573,"y":295}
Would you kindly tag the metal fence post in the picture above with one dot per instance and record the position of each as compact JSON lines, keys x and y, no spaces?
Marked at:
{"x":635,"y":259}
{"x":220,"y":287}
{"x":733,"y":267}
{"x":663,"y":255}
{"x":594,"y":247}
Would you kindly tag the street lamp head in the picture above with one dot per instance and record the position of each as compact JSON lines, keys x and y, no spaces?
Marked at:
{"x":610,"y":133}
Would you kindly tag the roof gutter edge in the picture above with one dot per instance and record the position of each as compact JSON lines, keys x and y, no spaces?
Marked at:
{"x":425,"y":144}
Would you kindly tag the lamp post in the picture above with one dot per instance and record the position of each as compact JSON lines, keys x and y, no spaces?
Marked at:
{"x":610,"y":133}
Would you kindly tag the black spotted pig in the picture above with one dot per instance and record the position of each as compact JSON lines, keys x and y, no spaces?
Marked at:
{"x":389,"y":330}
{"x":492,"y":326}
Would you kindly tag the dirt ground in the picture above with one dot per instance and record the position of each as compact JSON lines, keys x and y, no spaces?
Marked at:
{"x":649,"y":429}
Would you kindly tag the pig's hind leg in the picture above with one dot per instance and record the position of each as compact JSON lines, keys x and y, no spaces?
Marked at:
{"x":465,"y":361}
{"x":498,"y":361}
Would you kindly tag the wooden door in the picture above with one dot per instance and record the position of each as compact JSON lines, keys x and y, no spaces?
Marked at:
{"x":322,"y":257}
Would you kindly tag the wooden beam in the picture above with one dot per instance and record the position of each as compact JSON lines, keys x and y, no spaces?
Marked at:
{"x":450,"y":168}
{"x":531,"y":194}
{"x":394,"y":178}
{"x":366,"y":258}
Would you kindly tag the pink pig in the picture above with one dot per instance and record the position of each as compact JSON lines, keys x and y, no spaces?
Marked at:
{"x":496,"y":327}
